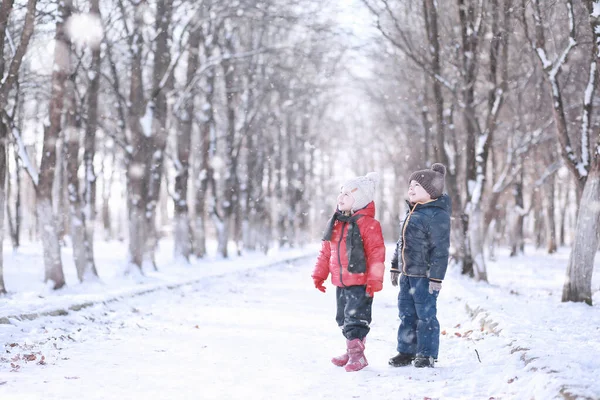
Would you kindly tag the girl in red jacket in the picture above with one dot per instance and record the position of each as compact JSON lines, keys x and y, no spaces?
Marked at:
{"x":354,"y":253}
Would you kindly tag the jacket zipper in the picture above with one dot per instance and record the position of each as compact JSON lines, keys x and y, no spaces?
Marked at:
{"x":404,"y":237}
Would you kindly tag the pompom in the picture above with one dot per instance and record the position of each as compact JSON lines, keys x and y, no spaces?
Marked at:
{"x":437,"y":167}
{"x":373,"y":176}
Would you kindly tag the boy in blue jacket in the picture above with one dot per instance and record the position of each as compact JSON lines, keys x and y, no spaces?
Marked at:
{"x":419,"y":266}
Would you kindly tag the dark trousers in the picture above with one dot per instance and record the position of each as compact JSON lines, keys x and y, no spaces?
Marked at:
{"x":353,"y":311}
{"x":419,"y":331}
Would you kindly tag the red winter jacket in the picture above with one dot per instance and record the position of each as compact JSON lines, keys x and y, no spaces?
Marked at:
{"x":334,"y":251}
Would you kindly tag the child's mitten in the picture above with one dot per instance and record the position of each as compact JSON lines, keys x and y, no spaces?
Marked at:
{"x":394,"y":275}
{"x":373,"y":286}
{"x":319,"y":284}
{"x":434,"y":285}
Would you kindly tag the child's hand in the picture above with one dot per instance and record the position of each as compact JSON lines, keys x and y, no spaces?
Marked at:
{"x":394,"y":275}
{"x":372,"y":287}
{"x":319,"y":284}
{"x":434,"y":285}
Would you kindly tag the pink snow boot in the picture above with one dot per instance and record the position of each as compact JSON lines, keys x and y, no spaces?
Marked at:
{"x":342,"y":360}
{"x":356,"y":351}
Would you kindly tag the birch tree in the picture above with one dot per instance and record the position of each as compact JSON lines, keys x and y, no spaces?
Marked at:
{"x":89,"y":192}
{"x":583,"y":165}
{"x":474,"y":19}
{"x":45,"y":212}
{"x":86,"y":270}
{"x":9,"y":79}
{"x":578,"y":284}
{"x":182,"y":224}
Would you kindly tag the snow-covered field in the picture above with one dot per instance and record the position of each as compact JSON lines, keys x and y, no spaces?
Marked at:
{"x":250,"y":329}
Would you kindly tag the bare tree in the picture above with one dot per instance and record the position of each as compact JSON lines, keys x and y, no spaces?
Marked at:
{"x":137,"y":172}
{"x":583,"y":165}
{"x":205,"y":176}
{"x":9,"y":79}
{"x":89,"y":193}
{"x":45,"y":212}
{"x":183,"y":235}
{"x":578,"y":284}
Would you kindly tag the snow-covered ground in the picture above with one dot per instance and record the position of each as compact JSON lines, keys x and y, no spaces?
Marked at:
{"x":245,"y":331}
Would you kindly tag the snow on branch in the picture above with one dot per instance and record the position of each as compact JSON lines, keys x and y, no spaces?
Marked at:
{"x":596,"y":9}
{"x":586,"y":115}
{"x":497,"y":102}
{"x":572,"y":43}
{"x":542,"y":56}
{"x":562,"y":59}
{"x":11,"y":43}
{"x":147,"y":119}
{"x":551,"y":170}
{"x":505,"y":178}
{"x":479,"y":20}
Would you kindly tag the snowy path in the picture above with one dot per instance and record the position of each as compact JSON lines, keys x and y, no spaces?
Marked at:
{"x":260,"y":334}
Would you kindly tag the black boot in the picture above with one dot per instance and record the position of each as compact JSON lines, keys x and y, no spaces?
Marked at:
{"x":401,"y":360}
{"x":422,"y":362}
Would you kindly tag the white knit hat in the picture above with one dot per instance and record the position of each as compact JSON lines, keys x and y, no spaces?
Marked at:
{"x":362,"y":189}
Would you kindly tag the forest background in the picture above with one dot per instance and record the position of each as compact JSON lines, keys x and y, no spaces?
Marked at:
{"x":237,"y":121}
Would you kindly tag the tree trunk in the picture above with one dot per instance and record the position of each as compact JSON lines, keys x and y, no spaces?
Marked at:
{"x":89,"y":144}
{"x":538,"y":222}
{"x":516,"y":238}
{"x":578,"y":283}
{"x":18,"y":215}
{"x":563,"y":216}
{"x":3,"y":165}
{"x":302,"y":175}
{"x":206,"y":173}
{"x":281,"y":200}
{"x":291,"y":206}
{"x":469,"y":55}
{"x":106,"y":191}
{"x":59,"y":196}
{"x":549,"y":207}
{"x":157,"y":109}
{"x":182,"y":234}
{"x":10,"y":218}
{"x":45,"y":212}
{"x":249,"y":223}
{"x":476,"y":239}
{"x":137,"y":168}
{"x":86,"y":270}
{"x":231,"y":189}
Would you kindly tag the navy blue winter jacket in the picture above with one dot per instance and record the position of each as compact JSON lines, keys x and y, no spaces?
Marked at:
{"x":424,"y":243}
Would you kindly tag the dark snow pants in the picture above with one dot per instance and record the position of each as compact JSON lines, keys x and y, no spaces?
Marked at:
{"x":419,"y":331}
{"x":353,"y":311}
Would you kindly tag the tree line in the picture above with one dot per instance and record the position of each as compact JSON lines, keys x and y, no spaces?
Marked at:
{"x":238,"y":121}
{"x":504,"y":93}
{"x":206,"y":108}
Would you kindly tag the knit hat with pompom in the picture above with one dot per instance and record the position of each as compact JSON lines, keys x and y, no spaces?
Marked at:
{"x":432,"y":179}
{"x":362,"y":189}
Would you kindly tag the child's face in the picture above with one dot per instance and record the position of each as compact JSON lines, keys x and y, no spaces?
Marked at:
{"x":416,"y":193}
{"x":345,"y":201}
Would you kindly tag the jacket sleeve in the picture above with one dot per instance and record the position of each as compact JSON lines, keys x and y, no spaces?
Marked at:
{"x":374,"y":251}
{"x":397,"y":257}
{"x":321,"y":269}
{"x":439,"y":245}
